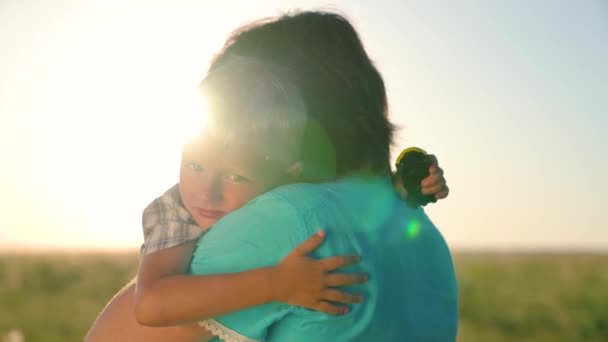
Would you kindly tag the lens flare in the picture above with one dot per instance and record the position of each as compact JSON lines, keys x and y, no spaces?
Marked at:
{"x":377,"y":211}
{"x":413,"y":230}
{"x":193,"y":116}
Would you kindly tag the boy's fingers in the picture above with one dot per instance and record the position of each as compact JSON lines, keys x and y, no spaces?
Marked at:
{"x":438,"y":171}
{"x":428,"y":181}
{"x":333,"y":263}
{"x":437,"y":188}
{"x":432,"y":177}
{"x":433,"y":160}
{"x":310,"y":244}
{"x":333,"y":295}
{"x":344,"y":279}
{"x":443,"y":193}
{"x":331,"y":309}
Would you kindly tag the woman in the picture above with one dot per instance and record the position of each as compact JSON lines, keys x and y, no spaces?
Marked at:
{"x":342,"y":90}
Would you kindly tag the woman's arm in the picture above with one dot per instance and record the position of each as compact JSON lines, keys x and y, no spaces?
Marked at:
{"x":117,"y":323}
{"x":164,"y":298}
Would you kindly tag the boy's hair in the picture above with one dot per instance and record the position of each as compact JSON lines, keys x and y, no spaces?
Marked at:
{"x":256,"y":103}
{"x":343,"y":91}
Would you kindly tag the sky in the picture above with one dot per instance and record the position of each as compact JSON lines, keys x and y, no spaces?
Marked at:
{"x":511,"y":96}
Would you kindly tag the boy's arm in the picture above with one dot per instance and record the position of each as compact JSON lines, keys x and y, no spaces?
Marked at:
{"x":151,"y":303}
{"x":165,"y":297}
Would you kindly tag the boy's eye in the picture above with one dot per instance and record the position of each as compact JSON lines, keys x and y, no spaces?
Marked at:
{"x":196,"y":167}
{"x":237,"y":178}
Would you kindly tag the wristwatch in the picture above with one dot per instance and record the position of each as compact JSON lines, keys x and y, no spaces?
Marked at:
{"x":412,"y":167}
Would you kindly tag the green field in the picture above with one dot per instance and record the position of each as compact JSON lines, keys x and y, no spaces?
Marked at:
{"x":503,"y":297}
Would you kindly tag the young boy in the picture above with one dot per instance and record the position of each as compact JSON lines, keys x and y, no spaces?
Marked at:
{"x":249,"y":146}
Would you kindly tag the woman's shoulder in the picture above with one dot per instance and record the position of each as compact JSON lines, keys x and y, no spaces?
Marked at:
{"x":300,"y":196}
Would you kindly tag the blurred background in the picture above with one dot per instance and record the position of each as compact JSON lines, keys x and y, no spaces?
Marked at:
{"x":512,"y":96}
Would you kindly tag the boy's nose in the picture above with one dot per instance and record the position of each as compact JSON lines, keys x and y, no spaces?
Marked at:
{"x":210,"y":188}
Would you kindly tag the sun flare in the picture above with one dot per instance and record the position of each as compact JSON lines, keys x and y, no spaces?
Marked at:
{"x":106,"y":131}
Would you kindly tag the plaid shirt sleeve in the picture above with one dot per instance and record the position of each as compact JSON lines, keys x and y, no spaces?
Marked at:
{"x":166,"y":223}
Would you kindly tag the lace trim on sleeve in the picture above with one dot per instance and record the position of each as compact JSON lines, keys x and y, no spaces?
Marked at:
{"x":223,"y":332}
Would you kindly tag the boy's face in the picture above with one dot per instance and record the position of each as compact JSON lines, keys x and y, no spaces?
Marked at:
{"x":217,"y":178}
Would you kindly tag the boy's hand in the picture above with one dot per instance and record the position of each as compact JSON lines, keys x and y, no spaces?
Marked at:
{"x":435,"y":183}
{"x":302,"y":281}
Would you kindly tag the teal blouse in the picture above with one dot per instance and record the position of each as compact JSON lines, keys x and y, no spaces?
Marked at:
{"x":411,"y":294}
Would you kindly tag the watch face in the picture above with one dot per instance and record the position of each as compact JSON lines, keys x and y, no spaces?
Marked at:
{"x":413,"y":164}
{"x":413,"y":167}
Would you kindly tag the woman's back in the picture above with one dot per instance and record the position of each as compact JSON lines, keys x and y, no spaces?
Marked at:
{"x":411,"y":293}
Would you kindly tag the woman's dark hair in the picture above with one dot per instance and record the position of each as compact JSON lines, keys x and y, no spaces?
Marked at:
{"x":343,"y":91}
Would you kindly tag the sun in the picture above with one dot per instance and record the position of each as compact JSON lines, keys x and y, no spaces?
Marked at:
{"x":106,"y":134}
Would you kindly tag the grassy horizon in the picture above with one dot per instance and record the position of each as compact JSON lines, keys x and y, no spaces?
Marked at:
{"x":56,"y":296}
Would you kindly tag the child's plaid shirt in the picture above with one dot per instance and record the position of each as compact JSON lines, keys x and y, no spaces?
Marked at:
{"x":167,"y":223}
